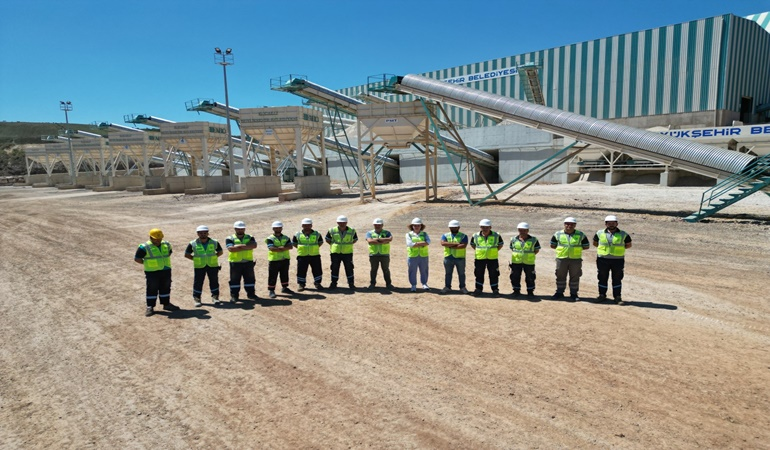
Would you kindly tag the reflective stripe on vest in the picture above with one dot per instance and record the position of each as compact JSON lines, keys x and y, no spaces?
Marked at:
{"x":486,"y":247}
{"x":456,"y":239}
{"x":342,"y":242}
{"x":379,"y":249}
{"x":204,"y":254}
{"x":156,"y":258}
{"x":414,"y":252}
{"x":282,"y":241}
{"x":569,"y":246}
{"x":307,"y":244}
{"x":241,"y":255}
{"x":523,"y":252}
{"x":612,"y":244}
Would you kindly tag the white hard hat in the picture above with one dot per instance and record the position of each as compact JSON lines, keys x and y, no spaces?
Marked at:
{"x":485,"y":223}
{"x":277,"y":224}
{"x":416,"y":221}
{"x":523,"y":226}
{"x":378,"y":221}
{"x":239,"y":224}
{"x":611,"y":219}
{"x":570,"y":220}
{"x":454,"y":224}
{"x":307,"y":221}
{"x":342,"y":219}
{"x":202,"y":228}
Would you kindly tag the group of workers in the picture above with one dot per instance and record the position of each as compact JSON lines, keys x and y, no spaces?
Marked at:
{"x":569,"y":244}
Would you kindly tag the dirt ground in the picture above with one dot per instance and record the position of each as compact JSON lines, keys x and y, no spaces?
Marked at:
{"x":685,"y":364}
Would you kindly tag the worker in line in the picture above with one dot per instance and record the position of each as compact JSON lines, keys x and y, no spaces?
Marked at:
{"x":241,"y":258}
{"x":611,"y":244}
{"x":524,"y":249}
{"x":487,"y":244}
{"x":307,"y":241}
{"x":278,"y":256}
{"x":379,"y":252}
{"x":204,"y":253}
{"x":569,"y":245}
{"x":155,"y":256}
{"x":454,"y":244}
{"x":341,"y":240}
{"x":417,"y":242}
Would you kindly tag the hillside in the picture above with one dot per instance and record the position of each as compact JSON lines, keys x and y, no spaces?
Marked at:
{"x":30,"y":132}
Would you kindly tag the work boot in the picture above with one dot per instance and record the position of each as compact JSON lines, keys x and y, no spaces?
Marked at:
{"x":371,"y":286}
{"x":352,"y":287}
{"x":170,"y":307}
{"x":464,"y":291}
{"x":300,"y":288}
{"x":286,"y":290}
{"x":602,"y":297}
{"x":216,"y":299}
{"x":233,"y":298}
{"x":477,"y":292}
{"x":619,"y":300}
{"x":149,"y":311}
{"x":333,"y":286}
{"x":530,"y":293}
{"x":444,"y":290}
{"x":252,"y":296}
{"x":425,"y":287}
{"x":495,"y":292}
{"x":271,"y":294}
{"x":557,"y":295}
{"x":389,"y":286}
{"x":319,"y":286}
{"x":573,"y":297}
{"x":197,"y":301}
{"x":516,"y":293}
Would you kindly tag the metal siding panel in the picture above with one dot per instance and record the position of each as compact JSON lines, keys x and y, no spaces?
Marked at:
{"x":649,"y":65}
{"x":595,"y":52}
{"x":664,"y":72}
{"x":704,"y":59}
{"x":694,"y":49}
{"x":551,"y":89}
{"x":620,"y":70}
{"x":584,"y":74}
{"x":604,"y":80}
{"x":725,"y":71}
{"x":676,"y":68}
{"x":632,"y":76}
{"x":560,"y":77}
{"x":571,"y":78}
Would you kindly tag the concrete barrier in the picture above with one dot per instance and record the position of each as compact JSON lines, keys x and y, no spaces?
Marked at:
{"x":234,"y":196}
{"x":288,"y":196}
{"x":261,"y":187}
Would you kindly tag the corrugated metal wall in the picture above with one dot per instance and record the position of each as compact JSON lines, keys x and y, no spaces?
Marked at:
{"x":702,"y":65}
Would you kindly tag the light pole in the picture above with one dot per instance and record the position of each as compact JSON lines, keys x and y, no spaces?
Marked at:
{"x":226,"y":59}
{"x":66,"y":106}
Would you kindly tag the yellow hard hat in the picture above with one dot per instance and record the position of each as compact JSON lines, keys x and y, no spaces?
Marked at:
{"x":155,"y":233}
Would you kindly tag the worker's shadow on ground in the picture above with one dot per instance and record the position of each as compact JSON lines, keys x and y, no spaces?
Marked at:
{"x":186,"y":314}
{"x":628,"y":304}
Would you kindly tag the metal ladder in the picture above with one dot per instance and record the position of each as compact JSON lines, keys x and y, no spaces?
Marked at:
{"x":733,"y":189}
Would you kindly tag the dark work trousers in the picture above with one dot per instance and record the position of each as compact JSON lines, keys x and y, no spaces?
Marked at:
{"x":606,"y":265}
{"x":158,"y":285}
{"x":245,"y":270}
{"x":347,"y":260}
{"x":529,"y":276}
{"x":275,"y":268}
{"x":314,"y":262}
{"x":571,"y":267}
{"x":490,"y":265}
{"x":200,"y":274}
{"x":377,"y":261}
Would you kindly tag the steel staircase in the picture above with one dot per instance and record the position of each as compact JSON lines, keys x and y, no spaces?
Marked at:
{"x":734,"y":189}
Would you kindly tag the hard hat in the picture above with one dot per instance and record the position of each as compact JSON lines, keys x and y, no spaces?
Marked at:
{"x":307,"y":221}
{"x":342,"y":219}
{"x":485,"y":223}
{"x":277,"y":224}
{"x":416,"y":221}
{"x":570,"y":220}
{"x":202,"y":228}
{"x":523,"y":226}
{"x":378,"y":221}
{"x":611,"y":219}
{"x":239,"y":224}
{"x":454,"y":224}
{"x":155,"y":233}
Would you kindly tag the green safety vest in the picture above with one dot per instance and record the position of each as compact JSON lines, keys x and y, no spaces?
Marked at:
{"x":486,"y":247}
{"x":307,"y":244}
{"x":456,"y":239}
{"x":204,"y":255}
{"x":569,"y":246}
{"x":156,"y":257}
{"x":414,"y":252}
{"x":523,"y":252}
{"x":282,"y":241}
{"x":242,"y":255}
{"x":342,"y":242}
{"x":611,"y":244}
{"x":379,"y":249}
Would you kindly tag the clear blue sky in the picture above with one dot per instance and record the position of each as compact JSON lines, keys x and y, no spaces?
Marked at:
{"x":112,"y":58}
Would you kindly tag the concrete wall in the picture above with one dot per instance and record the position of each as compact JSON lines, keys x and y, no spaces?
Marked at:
{"x":56,"y":178}
{"x":261,"y":187}
{"x":177,"y":185}
{"x":313,"y":186}
{"x":122,"y":182}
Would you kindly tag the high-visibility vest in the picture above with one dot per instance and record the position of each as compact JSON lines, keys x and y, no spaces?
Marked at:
{"x":414,"y":252}
{"x":342,"y":242}
{"x":486,"y":247}
{"x":281,"y":241}
{"x":379,"y":249}
{"x":204,"y":255}
{"x":569,"y":246}
{"x":612,"y":244}
{"x":241,"y":255}
{"x":523,"y":252}
{"x":454,"y":239}
{"x":307,"y":244}
{"x":156,"y":257}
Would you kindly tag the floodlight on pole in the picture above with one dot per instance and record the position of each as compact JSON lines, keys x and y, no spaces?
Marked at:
{"x":66,"y":106}
{"x":226,"y":59}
